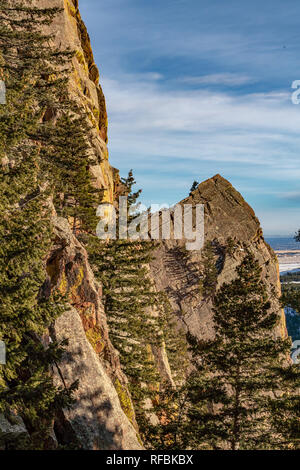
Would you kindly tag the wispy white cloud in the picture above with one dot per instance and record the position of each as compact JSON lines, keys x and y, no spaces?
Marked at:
{"x":223,"y":79}
{"x":201,"y":124}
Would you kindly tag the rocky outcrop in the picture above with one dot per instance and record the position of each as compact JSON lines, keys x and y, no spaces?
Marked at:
{"x":96,"y":421}
{"x":12,"y":431}
{"x":102,"y":416}
{"x":231,"y":225}
{"x":68,"y":31}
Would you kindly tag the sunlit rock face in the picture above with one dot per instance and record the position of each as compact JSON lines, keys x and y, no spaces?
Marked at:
{"x":100,"y":417}
{"x":69,"y":31}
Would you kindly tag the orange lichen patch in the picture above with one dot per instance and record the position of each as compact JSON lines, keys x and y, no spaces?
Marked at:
{"x":78,"y":281}
{"x":81,"y":59}
{"x":85,"y":57}
{"x":87,"y":315}
{"x":93,"y":120}
{"x":71,"y":8}
{"x":96,"y":112}
{"x":94,"y":335}
{"x":93,"y":331}
{"x":103,"y":122}
{"x":78,"y":80}
{"x":85,"y":42}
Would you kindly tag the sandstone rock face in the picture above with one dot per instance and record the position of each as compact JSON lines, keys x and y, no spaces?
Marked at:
{"x":179,"y":272}
{"x":98,"y":419}
{"x":69,"y":31}
{"x":103,"y":416}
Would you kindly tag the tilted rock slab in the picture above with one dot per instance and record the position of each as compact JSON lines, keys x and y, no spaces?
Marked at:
{"x":179,"y":272}
{"x":103,"y":415}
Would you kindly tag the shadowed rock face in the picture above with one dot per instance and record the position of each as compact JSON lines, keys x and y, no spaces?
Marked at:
{"x":102,"y":416}
{"x":12,"y":429}
{"x":179,"y":272}
{"x":96,"y":421}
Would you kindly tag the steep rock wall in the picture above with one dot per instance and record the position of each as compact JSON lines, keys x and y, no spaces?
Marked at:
{"x":179,"y":272}
{"x":103,"y":415}
{"x":68,"y":31}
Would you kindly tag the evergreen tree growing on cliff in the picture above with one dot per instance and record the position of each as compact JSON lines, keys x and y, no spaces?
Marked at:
{"x":193,"y":187}
{"x":171,"y":400}
{"x":132,"y":306}
{"x":26,"y":385}
{"x":25,"y":239}
{"x":66,"y":156}
{"x":27,"y":52}
{"x":244,"y":393}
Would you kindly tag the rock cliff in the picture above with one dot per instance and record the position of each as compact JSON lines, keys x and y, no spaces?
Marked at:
{"x":103,"y":416}
{"x":69,"y":31}
{"x":231,"y":226}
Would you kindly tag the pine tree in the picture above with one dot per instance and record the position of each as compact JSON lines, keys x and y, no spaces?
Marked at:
{"x":171,"y":401}
{"x":24,"y":313}
{"x":244,"y":392}
{"x":128,"y":184}
{"x":28,"y":56}
{"x":291,"y":297}
{"x":193,"y":187}
{"x":67,"y":158}
{"x":209,"y":275}
{"x":130,"y":301}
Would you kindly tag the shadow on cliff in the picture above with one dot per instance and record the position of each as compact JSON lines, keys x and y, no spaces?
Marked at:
{"x":184,"y":271}
{"x":88,"y":424}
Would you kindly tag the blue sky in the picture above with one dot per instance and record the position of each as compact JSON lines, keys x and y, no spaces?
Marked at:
{"x":199,"y":87}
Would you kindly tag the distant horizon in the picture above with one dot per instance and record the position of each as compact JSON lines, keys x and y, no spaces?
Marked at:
{"x":281,"y":236}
